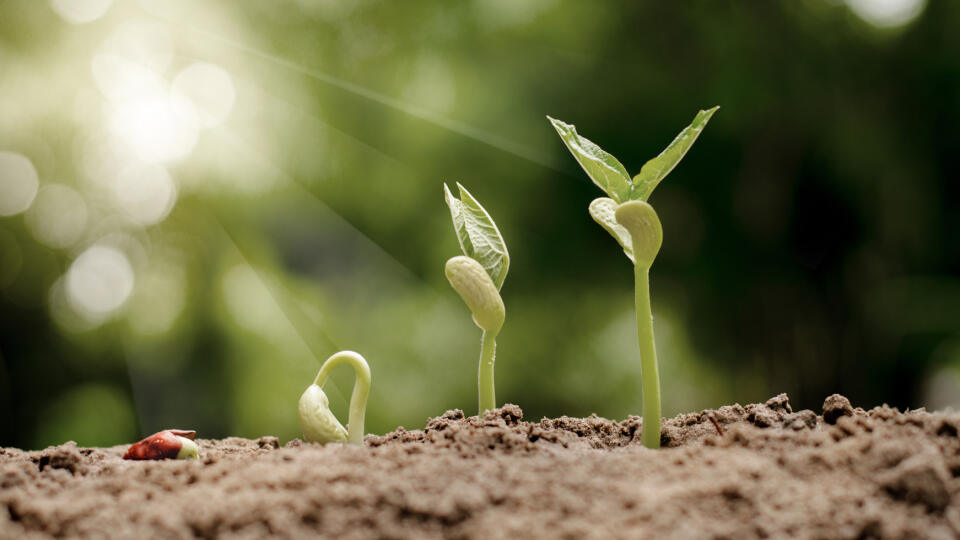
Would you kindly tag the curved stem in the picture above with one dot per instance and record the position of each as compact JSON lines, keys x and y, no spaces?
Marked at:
{"x":649,"y":372}
{"x":485,"y":386}
{"x":361,"y":390}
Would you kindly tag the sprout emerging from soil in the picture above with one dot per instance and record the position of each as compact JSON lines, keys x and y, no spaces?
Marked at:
{"x":627,"y":216}
{"x":317,"y":420}
{"x":477,"y":276}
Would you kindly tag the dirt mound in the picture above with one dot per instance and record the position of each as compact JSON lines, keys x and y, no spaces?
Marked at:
{"x":754,"y":471}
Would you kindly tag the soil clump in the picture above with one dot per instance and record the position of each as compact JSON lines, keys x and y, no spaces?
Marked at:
{"x":754,"y":471}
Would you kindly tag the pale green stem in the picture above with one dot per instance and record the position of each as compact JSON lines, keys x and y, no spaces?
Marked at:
{"x":488,"y":346}
{"x":361,"y":390}
{"x":649,"y":373}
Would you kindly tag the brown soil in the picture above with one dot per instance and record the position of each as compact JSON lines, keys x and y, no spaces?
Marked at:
{"x":847,"y":473}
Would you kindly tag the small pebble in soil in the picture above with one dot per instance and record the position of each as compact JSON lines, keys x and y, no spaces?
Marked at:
{"x":834,"y":407}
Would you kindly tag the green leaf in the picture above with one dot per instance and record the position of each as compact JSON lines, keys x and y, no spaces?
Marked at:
{"x":659,"y":167}
{"x":603,"y":211}
{"x":478,"y":234}
{"x":601,"y":167}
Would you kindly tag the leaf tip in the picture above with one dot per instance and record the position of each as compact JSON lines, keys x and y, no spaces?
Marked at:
{"x":559,"y":125}
{"x":447,"y":194}
{"x":464,"y":194}
{"x":707,"y":113}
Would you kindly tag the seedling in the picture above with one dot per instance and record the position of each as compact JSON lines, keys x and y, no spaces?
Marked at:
{"x":317,"y":420}
{"x":477,"y":276}
{"x":627,"y":216}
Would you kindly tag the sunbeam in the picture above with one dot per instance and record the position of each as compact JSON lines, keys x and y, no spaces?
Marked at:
{"x":477,"y":134}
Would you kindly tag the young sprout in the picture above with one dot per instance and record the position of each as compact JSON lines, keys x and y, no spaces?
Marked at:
{"x":627,"y":216}
{"x":477,"y":276}
{"x":317,"y":420}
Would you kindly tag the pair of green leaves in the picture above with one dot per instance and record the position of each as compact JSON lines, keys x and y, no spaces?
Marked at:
{"x":478,"y":235}
{"x":611,"y":176}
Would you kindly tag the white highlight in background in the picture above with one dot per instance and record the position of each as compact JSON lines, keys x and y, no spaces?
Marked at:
{"x":887,"y":13}
{"x":99,"y":282}
{"x":58,"y":217}
{"x":150,"y":128}
{"x":205,"y":92}
{"x":80,"y":11}
{"x":18,"y":183}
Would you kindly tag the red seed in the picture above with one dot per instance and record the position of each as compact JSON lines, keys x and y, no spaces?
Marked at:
{"x":161,"y":445}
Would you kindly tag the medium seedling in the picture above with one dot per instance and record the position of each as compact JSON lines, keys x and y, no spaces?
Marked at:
{"x":627,"y":216}
{"x":477,"y":276}
{"x":317,"y":420}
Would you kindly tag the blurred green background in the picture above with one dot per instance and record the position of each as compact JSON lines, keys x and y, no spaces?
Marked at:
{"x":199,"y":202}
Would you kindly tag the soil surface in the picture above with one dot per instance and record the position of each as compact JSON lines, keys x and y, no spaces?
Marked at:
{"x":754,"y":471}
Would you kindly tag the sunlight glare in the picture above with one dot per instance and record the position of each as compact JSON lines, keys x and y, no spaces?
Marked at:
{"x":149,"y":127}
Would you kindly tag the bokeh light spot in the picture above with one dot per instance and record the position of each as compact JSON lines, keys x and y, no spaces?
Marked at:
{"x":58,"y":217}
{"x":495,"y":14}
{"x":144,"y":193}
{"x":80,"y":11}
{"x":208,"y":90}
{"x":99,"y":281}
{"x":887,"y":13}
{"x":18,"y":183}
{"x":63,"y":313}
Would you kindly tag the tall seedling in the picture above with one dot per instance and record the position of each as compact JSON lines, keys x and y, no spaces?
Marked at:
{"x":627,"y":216}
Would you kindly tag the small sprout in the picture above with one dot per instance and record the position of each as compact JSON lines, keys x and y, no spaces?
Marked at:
{"x":317,"y":420}
{"x":627,"y":216}
{"x":477,"y":276}
{"x":166,"y":444}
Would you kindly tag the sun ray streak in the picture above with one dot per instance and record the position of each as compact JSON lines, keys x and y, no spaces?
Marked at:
{"x":490,"y":139}
{"x":250,"y":149}
{"x":294,"y":316}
